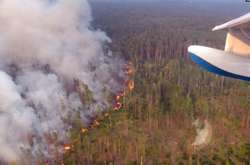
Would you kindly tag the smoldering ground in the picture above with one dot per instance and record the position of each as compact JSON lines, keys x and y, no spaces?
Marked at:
{"x":45,"y":47}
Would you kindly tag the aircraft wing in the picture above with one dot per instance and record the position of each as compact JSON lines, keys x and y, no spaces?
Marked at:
{"x":221,"y":62}
{"x":234,"y":23}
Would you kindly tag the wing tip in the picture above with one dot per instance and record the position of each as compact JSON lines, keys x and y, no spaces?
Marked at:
{"x":215,"y":28}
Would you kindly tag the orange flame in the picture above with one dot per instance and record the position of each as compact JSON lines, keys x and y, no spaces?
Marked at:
{"x":129,"y":71}
{"x":131,"y":85}
{"x":118,"y":97}
{"x":84,"y":130}
{"x":96,"y":123}
{"x":118,"y":106}
{"x":67,"y":147}
{"x":106,"y":114}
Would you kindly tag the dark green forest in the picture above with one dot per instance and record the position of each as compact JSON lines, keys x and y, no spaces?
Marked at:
{"x":155,"y":122}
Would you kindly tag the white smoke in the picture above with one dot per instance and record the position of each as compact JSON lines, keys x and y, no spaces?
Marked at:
{"x":45,"y":46}
{"x":15,"y":119}
{"x":204,"y":133}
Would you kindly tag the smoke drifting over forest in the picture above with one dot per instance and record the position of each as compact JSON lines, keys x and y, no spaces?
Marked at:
{"x":46,"y":46}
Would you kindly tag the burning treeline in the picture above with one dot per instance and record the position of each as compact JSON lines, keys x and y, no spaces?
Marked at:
{"x":118,"y":99}
{"x":53,"y":70}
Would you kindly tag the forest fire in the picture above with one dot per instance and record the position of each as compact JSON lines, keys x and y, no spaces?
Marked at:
{"x":106,"y":114}
{"x":96,"y":123}
{"x":131,"y":85}
{"x":117,"y":106}
{"x":118,"y":97}
{"x":45,"y":84}
{"x":67,"y":148}
{"x":123,"y":93}
{"x":84,"y":130}
{"x":128,"y":69}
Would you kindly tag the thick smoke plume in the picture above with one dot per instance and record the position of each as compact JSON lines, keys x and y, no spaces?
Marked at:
{"x":50,"y":57}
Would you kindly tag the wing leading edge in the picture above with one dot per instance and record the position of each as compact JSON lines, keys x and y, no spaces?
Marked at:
{"x":221,"y":62}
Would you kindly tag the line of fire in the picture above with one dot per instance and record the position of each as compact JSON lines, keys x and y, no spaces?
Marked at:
{"x":128,"y":86}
